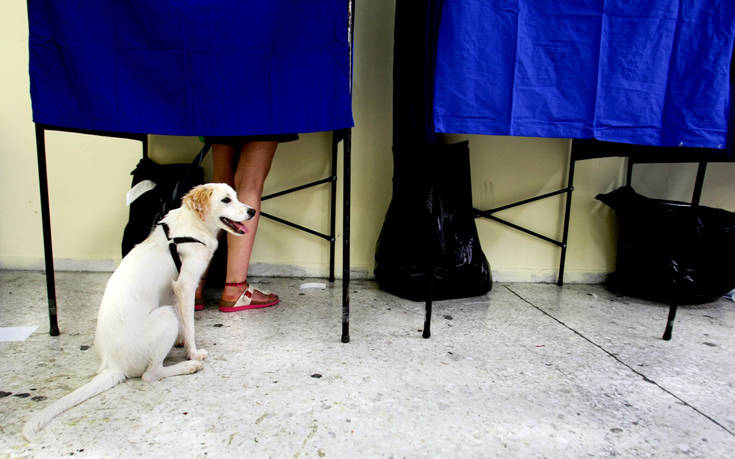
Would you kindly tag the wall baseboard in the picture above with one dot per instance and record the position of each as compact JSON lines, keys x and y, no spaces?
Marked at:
{"x":549,"y":277}
{"x":60,"y":264}
{"x":256,"y":269}
{"x":314,"y":271}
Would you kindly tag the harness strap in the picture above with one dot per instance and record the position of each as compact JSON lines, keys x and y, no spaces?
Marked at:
{"x":177,"y":240}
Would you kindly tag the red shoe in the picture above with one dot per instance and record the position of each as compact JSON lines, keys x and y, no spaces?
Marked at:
{"x":245,"y":301}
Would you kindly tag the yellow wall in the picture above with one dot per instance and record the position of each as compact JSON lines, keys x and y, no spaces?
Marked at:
{"x":89,"y":176}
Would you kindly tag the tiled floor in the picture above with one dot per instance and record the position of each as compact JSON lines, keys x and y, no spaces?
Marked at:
{"x":530,"y":370}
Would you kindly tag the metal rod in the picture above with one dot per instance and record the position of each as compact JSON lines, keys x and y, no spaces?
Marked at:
{"x":346,"y":137}
{"x":347,"y":148}
{"x":144,"y":141}
{"x":46,"y":221}
{"x":298,"y":188}
{"x":429,"y":274}
{"x":670,"y":323}
{"x":527,"y":231}
{"x":699,"y":183}
{"x":294,"y":225}
{"x":429,"y":298}
{"x":333,"y":207}
{"x":567,"y":214}
{"x":525,"y":201}
{"x":629,"y":171}
{"x":120,"y":135}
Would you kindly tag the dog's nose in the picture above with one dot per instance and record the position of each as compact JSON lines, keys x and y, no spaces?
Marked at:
{"x":251,"y":213}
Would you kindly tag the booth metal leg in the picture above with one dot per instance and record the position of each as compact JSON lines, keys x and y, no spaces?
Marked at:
{"x":696,"y":196}
{"x":46,"y":221}
{"x":490,"y":214}
{"x":347,"y":149}
{"x":567,"y":214}
{"x":333,"y":206}
{"x":628,"y":171}
{"x":429,"y":275}
{"x":699,"y":183}
{"x":429,"y":298}
{"x":670,"y":323}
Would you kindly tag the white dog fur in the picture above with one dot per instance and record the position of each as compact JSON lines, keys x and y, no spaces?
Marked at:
{"x":136,"y":324}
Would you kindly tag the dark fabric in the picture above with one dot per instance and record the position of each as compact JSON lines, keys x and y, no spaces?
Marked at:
{"x":216,"y":67}
{"x":650,"y":73}
{"x":170,"y":183}
{"x":414,"y":59}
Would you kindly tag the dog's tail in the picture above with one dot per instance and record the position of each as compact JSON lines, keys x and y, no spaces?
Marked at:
{"x":107,"y":379}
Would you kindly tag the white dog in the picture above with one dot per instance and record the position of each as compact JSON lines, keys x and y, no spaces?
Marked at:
{"x":136,"y":326}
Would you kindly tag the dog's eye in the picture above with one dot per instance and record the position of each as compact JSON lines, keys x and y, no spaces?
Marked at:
{"x":226,"y":200}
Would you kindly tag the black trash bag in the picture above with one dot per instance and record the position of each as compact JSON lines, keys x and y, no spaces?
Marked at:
{"x":172,"y":182}
{"x":410,"y":239}
{"x":671,"y":252}
{"x":217,"y":272}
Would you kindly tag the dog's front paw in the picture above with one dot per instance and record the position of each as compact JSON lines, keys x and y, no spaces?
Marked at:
{"x":199,"y":354}
{"x":193,"y":366}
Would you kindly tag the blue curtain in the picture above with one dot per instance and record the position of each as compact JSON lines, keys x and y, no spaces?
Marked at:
{"x":653,"y":72}
{"x":194,"y":67}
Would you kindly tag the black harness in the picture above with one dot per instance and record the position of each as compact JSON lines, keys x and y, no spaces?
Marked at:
{"x":172,"y":245}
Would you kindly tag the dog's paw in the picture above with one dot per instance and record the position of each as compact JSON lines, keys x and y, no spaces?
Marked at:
{"x":199,"y":354}
{"x":150,"y":376}
{"x":194,"y":365}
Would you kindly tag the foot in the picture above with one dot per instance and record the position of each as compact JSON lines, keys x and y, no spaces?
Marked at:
{"x":233,"y":291}
{"x":199,"y":354}
{"x":239,"y":296}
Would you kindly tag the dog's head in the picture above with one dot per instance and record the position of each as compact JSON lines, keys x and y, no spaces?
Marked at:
{"x":217,"y":206}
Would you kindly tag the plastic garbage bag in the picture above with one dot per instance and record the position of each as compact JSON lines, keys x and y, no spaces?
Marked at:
{"x":671,"y":252}
{"x":156,"y":189}
{"x":413,"y":236}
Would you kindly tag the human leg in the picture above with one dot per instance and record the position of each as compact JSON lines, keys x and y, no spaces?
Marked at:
{"x":223,"y":164}
{"x":223,"y":171}
{"x":248,"y":178}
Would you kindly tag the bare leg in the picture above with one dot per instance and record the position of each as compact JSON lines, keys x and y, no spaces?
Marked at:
{"x":224,"y":163}
{"x":223,"y":158}
{"x":248,"y":178}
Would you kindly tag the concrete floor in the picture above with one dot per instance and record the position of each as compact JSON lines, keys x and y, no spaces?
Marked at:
{"x":530,"y":370}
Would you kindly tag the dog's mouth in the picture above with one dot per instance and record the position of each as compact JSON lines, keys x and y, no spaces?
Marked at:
{"x":236,"y":227}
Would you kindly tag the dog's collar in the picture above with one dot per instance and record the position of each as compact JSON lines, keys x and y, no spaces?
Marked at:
{"x":177,"y":240}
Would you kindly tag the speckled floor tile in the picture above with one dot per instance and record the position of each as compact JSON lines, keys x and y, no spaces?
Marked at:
{"x":529,"y":370}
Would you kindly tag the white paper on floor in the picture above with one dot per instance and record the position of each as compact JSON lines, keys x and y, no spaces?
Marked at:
{"x":319,"y":285}
{"x":16,"y":333}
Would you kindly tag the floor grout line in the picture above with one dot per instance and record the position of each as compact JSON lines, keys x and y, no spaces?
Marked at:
{"x":617,"y":359}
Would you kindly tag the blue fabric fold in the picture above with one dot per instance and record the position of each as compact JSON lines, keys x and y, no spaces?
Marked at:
{"x":215,"y":67}
{"x":654,"y":72}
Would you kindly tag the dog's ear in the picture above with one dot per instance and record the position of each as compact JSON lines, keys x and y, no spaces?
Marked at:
{"x":198,"y":200}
